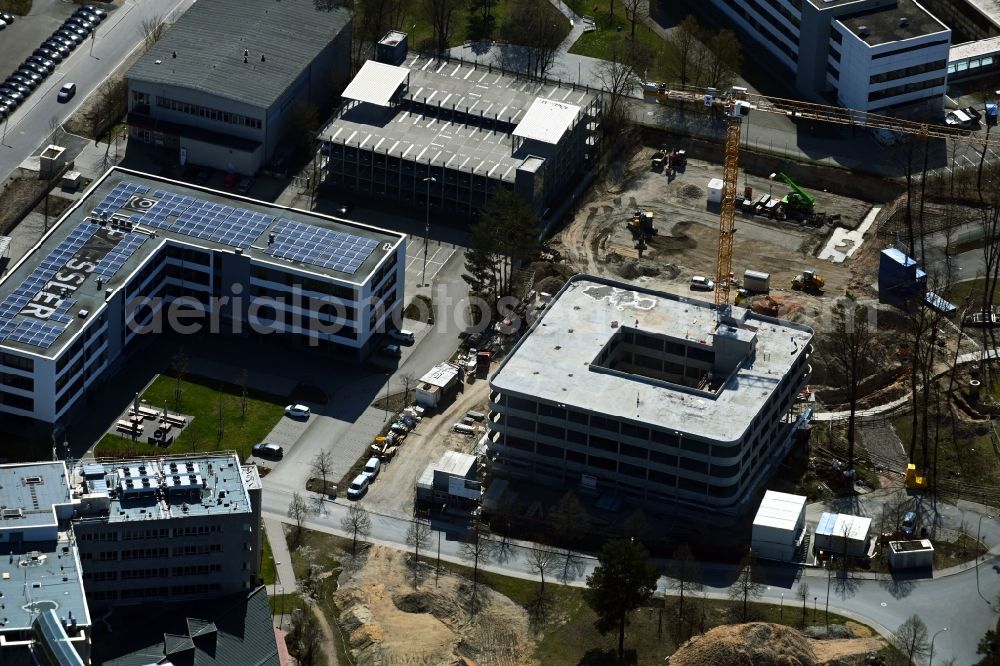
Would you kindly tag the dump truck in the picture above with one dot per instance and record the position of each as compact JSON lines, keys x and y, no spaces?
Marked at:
{"x":808,"y":281}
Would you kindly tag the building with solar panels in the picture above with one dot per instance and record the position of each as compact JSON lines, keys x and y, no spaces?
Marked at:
{"x":470,"y":128}
{"x":137,"y":250}
{"x":220,"y":87}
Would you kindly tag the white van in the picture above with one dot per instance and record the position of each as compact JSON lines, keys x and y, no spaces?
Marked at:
{"x":372,"y":467}
{"x":402,"y":335}
{"x":358,"y":487}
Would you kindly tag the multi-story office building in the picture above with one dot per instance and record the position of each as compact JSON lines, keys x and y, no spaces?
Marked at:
{"x":45,"y":618}
{"x":167,"y":529}
{"x":664,"y":399}
{"x":219,"y":88}
{"x":137,"y":255}
{"x":455,"y":131}
{"x":869,"y":55}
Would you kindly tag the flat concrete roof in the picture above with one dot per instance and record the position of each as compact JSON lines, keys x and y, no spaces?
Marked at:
{"x":28,"y":493}
{"x":36,"y":576}
{"x":376,"y":83}
{"x":552,"y":362}
{"x":884,"y":24}
{"x":980,"y":47}
{"x":547,"y":120}
{"x":779,"y":510}
{"x":836,"y":525}
{"x":455,"y":463}
{"x":441,"y":375}
{"x":474,"y":139}
{"x":173,"y":211}
{"x":167,"y":487}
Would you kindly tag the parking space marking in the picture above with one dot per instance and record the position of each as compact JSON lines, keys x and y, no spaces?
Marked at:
{"x":437,"y":257}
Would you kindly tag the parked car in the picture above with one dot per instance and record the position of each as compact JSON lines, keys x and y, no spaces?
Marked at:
{"x":11,"y":93}
{"x":297,"y":411}
{"x":79,"y":20}
{"x":38,"y":67}
{"x":56,"y":46}
{"x":909,"y":523}
{"x":3,"y":24}
{"x":372,"y":467}
{"x":30,"y":74}
{"x":78,"y":30}
{"x":244,"y":185}
{"x":96,"y":11}
{"x":702,"y":283}
{"x":16,"y":80}
{"x":66,"y":92}
{"x":230,"y":180}
{"x":88,"y":15}
{"x":7,"y":17}
{"x":45,"y":62}
{"x":64,"y":39}
{"x":49,"y":54}
{"x":392,"y":350}
{"x":402,"y":335}
{"x":264,"y":450}
{"x":358,"y":487}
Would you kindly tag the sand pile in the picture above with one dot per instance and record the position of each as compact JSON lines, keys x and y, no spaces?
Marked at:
{"x":690,"y":191}
{"x":753,"y":644}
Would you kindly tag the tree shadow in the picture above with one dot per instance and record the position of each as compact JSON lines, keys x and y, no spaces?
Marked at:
{"x":899,"y":588}
{"x":607,"y":657}
{"x":571,"y":567}
{"x":539,"y":608}
{"x":844,"y":585}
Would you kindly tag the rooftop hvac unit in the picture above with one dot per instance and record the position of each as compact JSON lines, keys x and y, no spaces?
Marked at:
{"x":863,"y":31}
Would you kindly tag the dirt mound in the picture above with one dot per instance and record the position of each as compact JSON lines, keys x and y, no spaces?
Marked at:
{"x":391,"y":623}
{"x":630,"y":269}
{"x":753,"y":644}
{"x":690,"y":191}
{"x":677,"y":241}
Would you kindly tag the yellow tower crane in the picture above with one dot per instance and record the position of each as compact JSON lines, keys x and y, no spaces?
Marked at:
{"x":737,"y":104}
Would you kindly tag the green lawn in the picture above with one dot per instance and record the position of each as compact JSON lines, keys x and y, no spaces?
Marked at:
{"x":967,"y":459}
{"x":601,"y":42}
{"x":420,"y":34}
{"x":970,"y":291}
{"x":285,"y":603}
{"x":201,"y":402}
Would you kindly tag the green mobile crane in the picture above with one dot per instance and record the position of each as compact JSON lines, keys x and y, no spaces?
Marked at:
{"x":797,"y":202}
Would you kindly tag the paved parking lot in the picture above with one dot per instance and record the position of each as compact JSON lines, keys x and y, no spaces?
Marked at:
{"x":28,"y":32}
{"x":438,"y":253}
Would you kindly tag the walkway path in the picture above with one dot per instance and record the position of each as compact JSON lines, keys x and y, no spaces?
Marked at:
{"x":273,"y":527}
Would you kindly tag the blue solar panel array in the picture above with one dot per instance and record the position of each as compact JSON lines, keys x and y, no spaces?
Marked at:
{"x":35,"y":332}
{"x":336,"y":250}
{"x":118,"y":197}
{"x":115,"y":259}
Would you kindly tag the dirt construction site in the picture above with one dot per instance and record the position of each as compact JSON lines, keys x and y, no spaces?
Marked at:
{"x":598,"y":240}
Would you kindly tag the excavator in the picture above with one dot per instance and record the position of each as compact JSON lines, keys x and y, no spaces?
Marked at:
{"x":809,"y":281}
{"x":797,"y":203}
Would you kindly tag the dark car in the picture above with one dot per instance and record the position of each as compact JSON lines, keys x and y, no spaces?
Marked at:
{"x":73,"y":28}
{"x":79,"y":20}
{"x":56,"y":46}
{"x":30,"y":74}
{"x":48,"y":53}
{"x":6,"y":107}
{"x":66,"y":92}
{"x":85,"y":13}
{"x":41,"y":61}
{"x":96,"y":11}
{"x":21,"y":80}
{"x":11,"y":93}
{"x":39,"y":69}
{"x":268,"y":451}
{"x":59,"y":38}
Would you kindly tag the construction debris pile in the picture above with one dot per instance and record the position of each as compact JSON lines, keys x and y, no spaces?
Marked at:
{"x":756,"y":643}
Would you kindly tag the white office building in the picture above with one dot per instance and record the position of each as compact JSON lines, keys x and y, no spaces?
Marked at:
{"x":662,"y":399}
{"x":137,"y":255}
{"x":870,"y":55}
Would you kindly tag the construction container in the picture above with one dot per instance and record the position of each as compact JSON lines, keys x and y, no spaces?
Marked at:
{"x":991,"y":113}
{"x":779,"y":526}
{"x":911,"y":554}
{"x":756,"y":281}
{"x":715,"y":191}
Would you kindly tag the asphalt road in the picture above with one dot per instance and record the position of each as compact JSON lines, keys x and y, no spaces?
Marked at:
{"x":117,"y":37}
{"x":959,"y":601}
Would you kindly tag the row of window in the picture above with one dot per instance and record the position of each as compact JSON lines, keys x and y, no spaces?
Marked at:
{"x":905,"y":89}
{"x":150,"y":592}
{"x":17,"y":362}
{"x":152,"y":572}
{"x":207,"y":112}
{"x":304,"y":283}
{"x":970,"y":64}
{"x":908,"y":71}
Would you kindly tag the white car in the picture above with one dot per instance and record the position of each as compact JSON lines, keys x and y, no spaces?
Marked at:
{"x":702,"y":283}
{"x":297,"y":411}
{"x":372,"y":467}
{"x":358,"y":487}
{"x":402,"y":335}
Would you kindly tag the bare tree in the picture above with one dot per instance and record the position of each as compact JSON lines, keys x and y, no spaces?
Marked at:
{"x":618,"y":79}
{"x":635,"y":10}
{"x":442,"y":15}
{"x":852,"y":358}
{"x":321,"y":465}
{"x":372,"y":19}
{"x":358,"y":523}
{"x":243,"y":381}
{"x":802,"y":592}
{"x":686,"y":51}
{"x":635,"y":525}
{"x":722,"y":59}
{"x":298,"y":511}
{"x":179,"y":365}
{"x":152,"y":28}
{"x":569,"y":523}
{"x":110,"y":102}
{"x":418,"y":536}
{"x":684,"y":578}
{"x":745,"y":588}
{"x":407,"y":380}
{"x":478,"y":550}
{"x":542,"y":560}
{"x":529,"y":24}
{"x":911,"y":639}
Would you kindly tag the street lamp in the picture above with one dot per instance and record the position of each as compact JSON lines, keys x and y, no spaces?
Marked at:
{"x":979,"y":531}
{"x":427,"y":226}
{"x":829,"y":578}
{"x":930,"y":660}
{"x":781,"y":609}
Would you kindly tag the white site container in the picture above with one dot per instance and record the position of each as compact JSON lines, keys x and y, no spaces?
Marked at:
{"x":715,"y":190}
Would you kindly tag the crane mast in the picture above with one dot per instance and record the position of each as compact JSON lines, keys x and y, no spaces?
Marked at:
{"x":736,"y":107}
